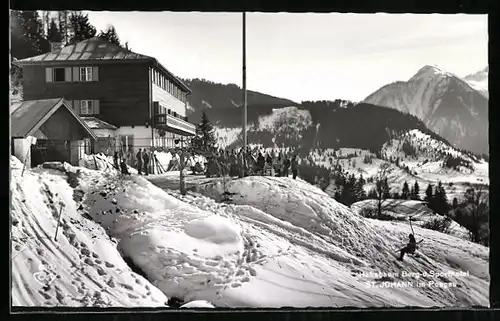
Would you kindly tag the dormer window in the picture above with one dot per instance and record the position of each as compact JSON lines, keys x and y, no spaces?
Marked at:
{"x":85,"y":73}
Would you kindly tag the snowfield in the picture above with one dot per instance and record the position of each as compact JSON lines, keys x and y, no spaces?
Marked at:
{"x":426,"y":167}
{"x":287,"y":119}
{"x":404,"y":210}
{"x":83,"y":267}
{"x":279,"y":243}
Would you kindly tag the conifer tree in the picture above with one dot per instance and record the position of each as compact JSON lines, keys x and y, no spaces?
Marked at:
{"x":81,"y":28}
{"x":27,"y":38}
{"x":429,"y":195}
{"x":204,"y":140}
{"x":405,"y":192}
{"x":440,"y":202}
{"x":415,"y":194}
{"x":53,"y":34}
{"x":111,"y":35}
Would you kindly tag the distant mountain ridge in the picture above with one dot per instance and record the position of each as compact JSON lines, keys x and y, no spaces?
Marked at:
{"x":447,"y":104}
{"x":479,"y":81}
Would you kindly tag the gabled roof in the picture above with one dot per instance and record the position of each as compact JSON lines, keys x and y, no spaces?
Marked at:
{"x":97,"y":49}
{"x":96,"y":123}
{"x":26,"y":117}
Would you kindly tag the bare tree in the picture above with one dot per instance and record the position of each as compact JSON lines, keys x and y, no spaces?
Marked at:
{"x":476,"y":207}
{"x":381,"y":192}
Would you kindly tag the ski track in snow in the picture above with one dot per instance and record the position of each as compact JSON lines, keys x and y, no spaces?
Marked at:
{"x":281,"y":242}
{"x":81,"y":268}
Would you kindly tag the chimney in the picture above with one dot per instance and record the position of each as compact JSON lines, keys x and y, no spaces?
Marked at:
{"x":55,"y":46}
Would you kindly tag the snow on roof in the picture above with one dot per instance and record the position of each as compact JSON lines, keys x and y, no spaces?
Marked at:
{"x":96,"y":123}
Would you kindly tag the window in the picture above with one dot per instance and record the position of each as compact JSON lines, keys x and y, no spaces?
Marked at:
{"x":86,"y":107}
{"x":59,"y":74}
{"x":85,"y":73}
{"x":87,"y":146}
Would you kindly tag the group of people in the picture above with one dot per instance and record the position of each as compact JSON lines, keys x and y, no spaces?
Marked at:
{"x":250,"y":162}
{"x":142,"y":159}
{"x":233,"y":163}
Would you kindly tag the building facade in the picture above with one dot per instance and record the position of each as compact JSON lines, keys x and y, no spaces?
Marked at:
{"x":47,"y":130}
{"x":134,"y":93}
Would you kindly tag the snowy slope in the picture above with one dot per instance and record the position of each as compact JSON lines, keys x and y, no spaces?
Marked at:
{"x":282,"y":243}
{"x":83,"y":267}
{"x":287,"y":119}
{"x":355,"y":247}
{"x":426,"y":168}
{"x":287,"y":122}
{"x":479,"y":81}
{"x":403,"y":210}
{"x":429,"y":157}
{"x":447,"y":105}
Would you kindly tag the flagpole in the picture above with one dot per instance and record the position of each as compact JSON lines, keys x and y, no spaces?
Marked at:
{"x":244,"y":85}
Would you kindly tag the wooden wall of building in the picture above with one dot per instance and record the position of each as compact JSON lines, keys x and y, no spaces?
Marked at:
{"x":122,"y":90}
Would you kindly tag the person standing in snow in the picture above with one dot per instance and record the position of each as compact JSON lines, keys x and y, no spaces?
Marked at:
{"x":260,"y":163}
{"x":286,"y":166}
{"x":233,"y":164}
{"x":145,"y":158}
{"x":277,"y":166}
{"x":124,"y":168}
{"x":241,"y":164}
{"x":138,"y":157}
{"x":294,"y":166}
{"x":115,"y":160}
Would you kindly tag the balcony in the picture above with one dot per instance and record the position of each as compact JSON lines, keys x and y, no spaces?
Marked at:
{"x":174,"y":124}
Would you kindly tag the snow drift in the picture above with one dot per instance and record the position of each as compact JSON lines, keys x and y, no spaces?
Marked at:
{"x":355,"y":247}
{"x":82,"y":267}
{"x":281,"y":243}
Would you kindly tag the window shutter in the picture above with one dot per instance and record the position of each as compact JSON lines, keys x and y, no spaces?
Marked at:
{"x":76,"y":74}
{"x":67,"y":74}
{"x":96,"y":106}
{"x":48,"y":75}
{"x":95,"y":73}
{"x":76,"y":106}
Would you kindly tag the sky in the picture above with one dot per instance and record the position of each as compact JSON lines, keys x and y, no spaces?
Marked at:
{"x":304,"y":56}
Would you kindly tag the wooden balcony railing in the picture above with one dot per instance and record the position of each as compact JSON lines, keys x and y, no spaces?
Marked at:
{"x":169,"y":122}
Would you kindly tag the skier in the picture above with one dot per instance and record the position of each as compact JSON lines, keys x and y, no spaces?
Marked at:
{"x":138,"y":157}
{"x":294,"y":167}
{"x":409,"y":248}
{"x":145,"y":158}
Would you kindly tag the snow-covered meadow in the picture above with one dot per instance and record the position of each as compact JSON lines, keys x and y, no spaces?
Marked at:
{"x":280,"y":243}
